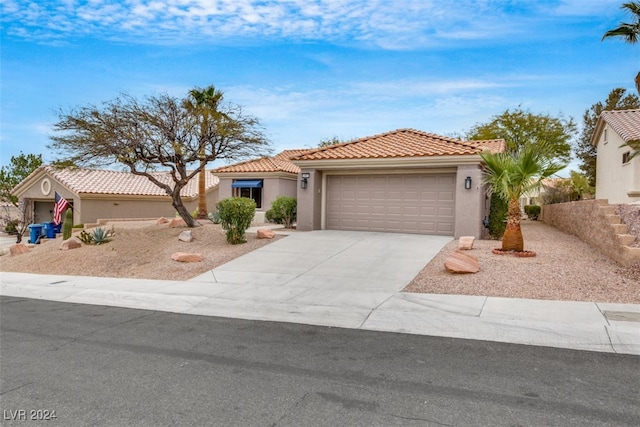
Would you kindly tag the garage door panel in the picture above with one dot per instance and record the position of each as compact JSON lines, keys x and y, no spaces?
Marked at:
{"x":397,"y":203}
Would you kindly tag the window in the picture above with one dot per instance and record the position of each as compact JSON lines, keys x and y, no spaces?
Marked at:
{"x":604,"y":136}
{"x":626,"y":157}
{"x":249,"y":188}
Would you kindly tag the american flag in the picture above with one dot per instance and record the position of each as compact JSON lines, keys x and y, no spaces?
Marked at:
{"x":60,"y":206}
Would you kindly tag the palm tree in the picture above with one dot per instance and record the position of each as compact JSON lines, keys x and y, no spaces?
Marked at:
{"x":206,"y":102}
{"x":511,"y":175}
{"x":630,"y":32}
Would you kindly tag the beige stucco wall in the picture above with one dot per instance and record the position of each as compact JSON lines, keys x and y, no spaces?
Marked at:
{"x":614,"y":180}
{"x":470,"y":204}
{"x":310,"y":201}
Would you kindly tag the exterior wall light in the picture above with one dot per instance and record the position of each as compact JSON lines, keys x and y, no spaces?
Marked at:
{"x":305,"y":180}
{"x":467,"y":183}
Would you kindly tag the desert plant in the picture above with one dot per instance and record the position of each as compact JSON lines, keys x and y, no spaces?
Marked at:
{"x":497,"y":216}
{"x":533,"y":211}
{"x":100,"y":235}
{"x":68,"y":224}
{"x":236,"y":214}
{"x":283,"y":211}
{"x":12,"y":226}
{"x":272,"y":217}
{"x":85,"y":237}
{"x":513,"y":174}
{"x":214,"y":217}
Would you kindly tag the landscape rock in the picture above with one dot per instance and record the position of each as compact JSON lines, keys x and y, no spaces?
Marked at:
{"x":466,"y":242}
{"x":186,"y":257}
{"x":460,"y":263}
{"x":72,"y":243}
{"x":162,"y":220}
{"x":186,"y":236}
{"x":18,"y":248}
{"x":177,"y":222}
{"x":266,"y":233}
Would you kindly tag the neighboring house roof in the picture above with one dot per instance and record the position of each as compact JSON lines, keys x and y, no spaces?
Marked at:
{"x":277,"y":163}
{"x":401,"y":143}
{"x":626,"y":123}
{"x":101,"y":181}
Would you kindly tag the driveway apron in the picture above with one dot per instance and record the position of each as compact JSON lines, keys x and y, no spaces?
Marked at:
{"x":327,"y":268}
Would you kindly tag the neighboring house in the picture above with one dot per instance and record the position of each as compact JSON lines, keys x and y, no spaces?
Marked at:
{"x":262,"y":180}
{"x":617,"y":176}
{"x":405,"y":181}
{"x":105,"y":194}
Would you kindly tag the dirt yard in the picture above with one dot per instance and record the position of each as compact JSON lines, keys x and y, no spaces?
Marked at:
{"x":139,"y":249}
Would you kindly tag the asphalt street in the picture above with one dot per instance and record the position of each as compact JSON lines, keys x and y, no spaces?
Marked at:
{"x":96,"y":365}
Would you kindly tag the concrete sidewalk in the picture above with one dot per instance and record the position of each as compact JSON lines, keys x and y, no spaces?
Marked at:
{"x":341,"y":279}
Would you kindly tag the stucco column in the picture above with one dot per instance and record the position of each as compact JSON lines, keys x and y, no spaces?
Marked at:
{"x":469,"y":202}
{"x":309,"y":200}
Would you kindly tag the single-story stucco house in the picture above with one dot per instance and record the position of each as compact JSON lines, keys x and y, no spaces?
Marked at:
{"x":106,"y":194}
{"x":405,"y":181}
{"x":617,"y":175}
{"x":263,"y":180}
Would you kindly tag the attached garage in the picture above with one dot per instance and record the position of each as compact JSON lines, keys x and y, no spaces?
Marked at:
{"x":402,"y":203}
{"x":403,"y":181}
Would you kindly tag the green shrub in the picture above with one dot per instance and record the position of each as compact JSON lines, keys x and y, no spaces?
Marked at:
{"x":68,"y":224}
{"x":497,"y":216}
{"x":283,"y":211}
{"x":236,"y":214}
{"x":12,"y":226}
{"x":271,"y":216}
{"x":533,"y":211}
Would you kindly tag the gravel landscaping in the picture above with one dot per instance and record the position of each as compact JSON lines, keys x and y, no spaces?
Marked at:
{"x":564,"y":268}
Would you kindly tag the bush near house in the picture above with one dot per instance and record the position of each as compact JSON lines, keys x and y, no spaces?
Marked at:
{"x":283,"y":211}
{"x":497,"y":216}
{"x":532,"y":211}
{"x":236,"y":214}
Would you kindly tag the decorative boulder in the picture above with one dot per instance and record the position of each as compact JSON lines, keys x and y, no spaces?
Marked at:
{"x":460,"y":262}
{"x":18,"y":248}
{"x":162,"y":220}
{"x":266,"y":233}
{"x":72,"y":243}
{"x":466,"y":242}
{"x":177,"y":222}
{"x":186,"y":257}
{"x":186,"y":236}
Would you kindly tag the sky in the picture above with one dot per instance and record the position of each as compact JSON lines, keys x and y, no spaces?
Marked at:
{"x":311,"y":70}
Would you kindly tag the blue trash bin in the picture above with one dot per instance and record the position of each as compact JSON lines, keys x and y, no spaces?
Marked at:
{"x":57,"y":228}
{"x":35,"y":232}
{"x":49,"y":230}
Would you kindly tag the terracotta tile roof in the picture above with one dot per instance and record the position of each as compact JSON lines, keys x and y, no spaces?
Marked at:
{"x":277,"y":163}
{"x":625,"y":122}
{"x":401,"y":143}
{"x":99,"y":181}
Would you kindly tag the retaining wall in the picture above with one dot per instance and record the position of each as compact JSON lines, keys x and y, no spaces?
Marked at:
{"x":596,"y":223}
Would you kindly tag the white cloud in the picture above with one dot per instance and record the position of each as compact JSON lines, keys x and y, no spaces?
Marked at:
{"x":399,"y":24}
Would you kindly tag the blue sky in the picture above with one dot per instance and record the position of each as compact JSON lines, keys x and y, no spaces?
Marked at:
{"x":312,"y":69}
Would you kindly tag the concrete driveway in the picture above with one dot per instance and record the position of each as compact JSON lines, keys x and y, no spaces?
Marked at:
{"x":319,"y":267}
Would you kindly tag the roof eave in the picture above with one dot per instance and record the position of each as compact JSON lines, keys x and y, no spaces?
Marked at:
{"x":390,"y":163}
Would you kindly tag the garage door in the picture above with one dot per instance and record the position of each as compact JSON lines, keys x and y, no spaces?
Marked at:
{"x":421,"y":204}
